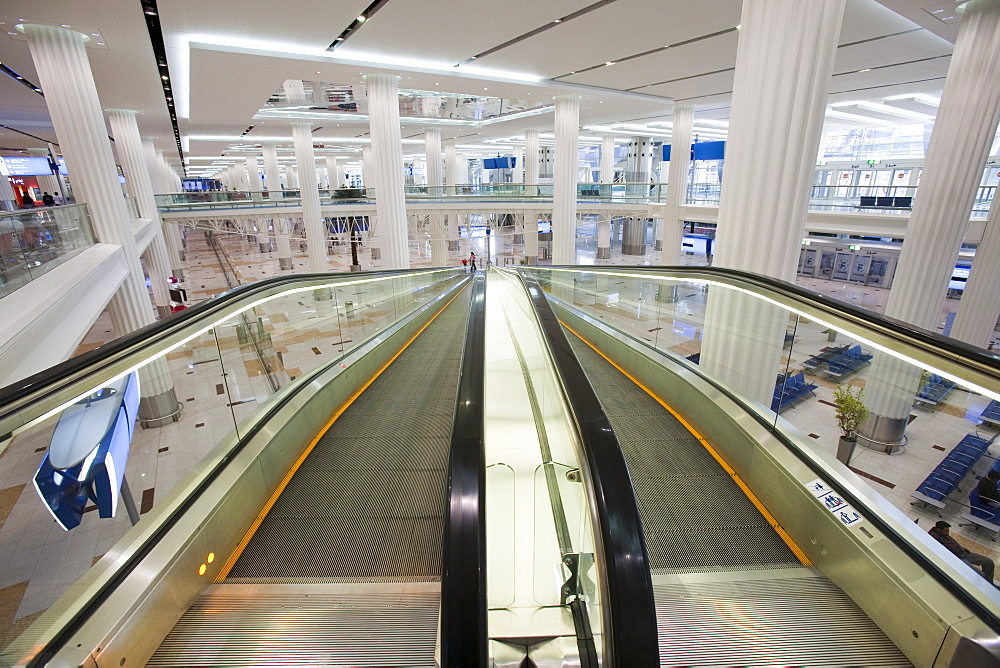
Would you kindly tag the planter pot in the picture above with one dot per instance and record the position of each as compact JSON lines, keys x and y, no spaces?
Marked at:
{"x":845,"y":449}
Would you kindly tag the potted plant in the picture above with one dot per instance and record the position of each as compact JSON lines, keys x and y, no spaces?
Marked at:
{"x":851,"y":412}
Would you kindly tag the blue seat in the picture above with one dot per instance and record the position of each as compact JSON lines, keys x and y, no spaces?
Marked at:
{"x":981,"y":516}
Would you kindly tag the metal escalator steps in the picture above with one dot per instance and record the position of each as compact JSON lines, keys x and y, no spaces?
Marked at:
{"x":305,"y":625}
{"x":793,"y":621}
{"x":694,"y":516}
{"x":368,"y":501}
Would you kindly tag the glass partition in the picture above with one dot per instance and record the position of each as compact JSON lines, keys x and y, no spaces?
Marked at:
{"x":225,"y":360}
{"x":790,"y":355}
{"x":34,"y":241}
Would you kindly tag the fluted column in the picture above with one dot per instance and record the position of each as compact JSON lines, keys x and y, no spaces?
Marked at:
{"x":567,"y":159}
{"x":607,"y":159}
{"x":677,"y":180}
{"x":305,"y":163}
{"x":7,"y":198}
{"x":272,"y":176}
{"x":979,"y":309}
{"x":130,"y":151}
{"x":253,"y":174}
{"x":963,"y":132}
{"x":432,"y":149}
{"x":531,"y":160}
{"x":171,"y":232}
{"x":64,"y":72}
{"x":333,"y":172}
{"x":48,"y":184}
{"x":387,"y":160}
{"x":784,"y":65}
{"x":451,"y":180}
{"x":531,"y":237}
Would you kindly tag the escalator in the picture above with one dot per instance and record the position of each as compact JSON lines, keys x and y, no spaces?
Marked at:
{"x":345,"y":567}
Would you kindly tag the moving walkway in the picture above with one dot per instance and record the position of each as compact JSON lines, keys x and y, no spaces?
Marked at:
{"x":708,"y":545}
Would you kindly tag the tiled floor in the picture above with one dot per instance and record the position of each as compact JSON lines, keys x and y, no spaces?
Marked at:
{"x":219,"y":383}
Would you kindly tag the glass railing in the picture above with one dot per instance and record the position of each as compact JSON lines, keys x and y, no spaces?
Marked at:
{"x":790,"y":355}
{"x":228,"y":360}
{"x":34,"y":241}
{"x":855,"y":199}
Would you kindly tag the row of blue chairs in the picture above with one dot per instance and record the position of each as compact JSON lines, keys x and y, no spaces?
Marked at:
{"x":934,"y":389}
{"x":789,"y":391}
{"x":819,"y":360}
{"x":944,"y":479}
{"x":991,"y":414}
{"x":847,"y":362}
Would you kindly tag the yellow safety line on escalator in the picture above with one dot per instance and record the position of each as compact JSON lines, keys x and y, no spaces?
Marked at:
{"x":312,"y":444}
{"x":736,"y":478}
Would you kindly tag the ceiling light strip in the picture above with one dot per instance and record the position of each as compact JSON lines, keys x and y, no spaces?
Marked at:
{"x":356,"y":23}
{"x":21,"y":80}
{"x":152,"y":15}
{"x":649,"y":52}
{"x":884,"y":67}
{"x":536,"y":31}
{"x":875,"y":39}
{"x":693,"y":76}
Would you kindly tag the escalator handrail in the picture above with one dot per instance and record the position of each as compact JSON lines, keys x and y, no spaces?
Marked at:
{"x":984,"y":613}
{"x":977,"y":360}
{"x":18,"y":395}
{"x":123,"y":570}
{"x":464,"y":632}
{"x":629,"y":605}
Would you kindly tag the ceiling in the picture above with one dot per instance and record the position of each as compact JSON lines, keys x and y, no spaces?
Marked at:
{"x":630,"y":60}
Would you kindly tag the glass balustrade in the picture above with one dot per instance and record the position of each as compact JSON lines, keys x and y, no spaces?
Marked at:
{"x":788,"y":354}
{"x":228,"y":361}
{"x":34,"y":241}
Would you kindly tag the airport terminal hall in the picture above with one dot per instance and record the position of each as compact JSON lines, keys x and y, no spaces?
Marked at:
{"x":576,"y":333}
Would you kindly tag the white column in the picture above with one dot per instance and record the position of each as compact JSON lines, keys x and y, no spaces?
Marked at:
{"x":567,"y":158}
{"x":963,"y":131}
{"x":60,"y":60}
{"x":979,"y":309}
{"x":784,"y":65}
{"x":305,"y":161}
{"x":387,"y":160}
{"x":253,"y":174}
{"x":367,"y":169}
{"x":272,"y":174}
{"x":292,"y":172}
{"x":432,"y":150}
{"x":48,"y":184}
{"x":607,"y":159}
{"x":171,"y":232}
{"x":603,"y":239}
{"x":677,"y":181}
{"x":531,"y":237}
{"x":451,"y":180}
{"x":130,"y":151}
{"x":333,"y":172}
{"x":7,"y":201}
{"x":531,"y":160}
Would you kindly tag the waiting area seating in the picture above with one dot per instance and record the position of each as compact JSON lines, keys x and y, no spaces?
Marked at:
{"x":944,"y":479}
{"x":838,"y":362}
{"x":788,"y":391}
{"x":981,"y":516}
{"x":991,"y":414}
{"x":934,"y":389}
{"x":886,"y":203}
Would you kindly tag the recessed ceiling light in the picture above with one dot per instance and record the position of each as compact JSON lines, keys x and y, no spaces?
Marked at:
{"x":94,"y":34}
{"x":63,"y":25}
{"x":164,"y":77}
{"x":361,"y":19}
{"x":867,"y":69}
{"x":937,"y":11}
{"x":486,"y":89}
{"x":100,"y":44}
{"x":558,"y":21}
{"x":318,"y":72}
{"x":948,"y":18}
{"x":610,"y":62}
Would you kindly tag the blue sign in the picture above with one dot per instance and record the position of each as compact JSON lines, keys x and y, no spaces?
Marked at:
{"x":703,"y":150}
{"x":18,"y":166}
{"x":88,"y":451}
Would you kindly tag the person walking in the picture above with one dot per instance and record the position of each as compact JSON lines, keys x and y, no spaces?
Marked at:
{"x":48,"y":200}
{"x":27,"y":202}
{"x":472,"y":262}
{"x":941,"y":533}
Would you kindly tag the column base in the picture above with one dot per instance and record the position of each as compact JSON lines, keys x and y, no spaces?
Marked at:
{"x":519,"y":238}
{"x":658,"y":246}
{"x":355,"y":267}
{"x":178,"y":274}
{"x":884,"y":434}
{"x":323,"y":294}
{"x":265,"y":246}
{"x":284,"y":263}
{"x":162,"y":311}
{"x":603,"y":253}
{"x":531,"y":259}
{"x":636,"y":249}
{"x":376,"y":253}
{"x":159,"y":410}
{"x":454,"y":246}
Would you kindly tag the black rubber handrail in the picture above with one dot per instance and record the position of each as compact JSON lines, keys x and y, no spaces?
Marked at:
{"x":864,"y":318}
{"x":123,"y":571}
{"x":969,"y":355}
{"x":56,"y":375}
{"x":464,"y":633}
{"x":631,"y":636}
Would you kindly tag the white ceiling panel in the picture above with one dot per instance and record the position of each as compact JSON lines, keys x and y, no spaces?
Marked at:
{"x":864,"y":19}
{"x":708,"y":55}
{"x":880,"y":83}
{"x":890,"y":51}
{"x":616,"y":32}
{"x":697,"y":91}
{"x":455,"y":30}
